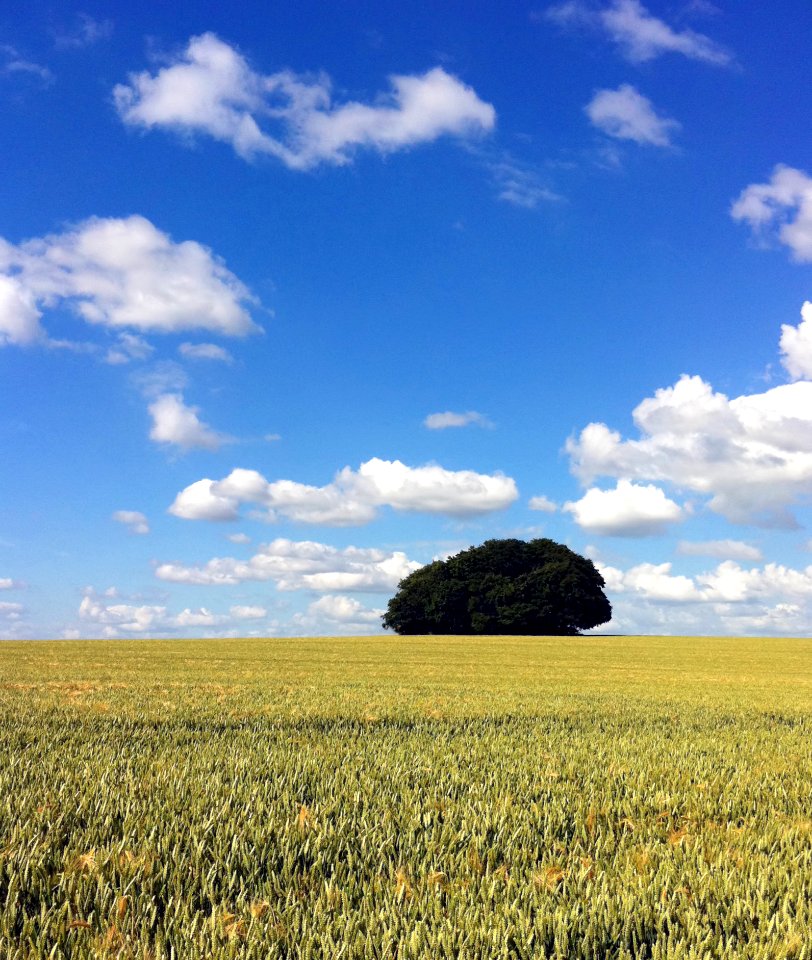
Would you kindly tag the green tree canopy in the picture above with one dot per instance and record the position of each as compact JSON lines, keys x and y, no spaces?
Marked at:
{"x":502,"y":587}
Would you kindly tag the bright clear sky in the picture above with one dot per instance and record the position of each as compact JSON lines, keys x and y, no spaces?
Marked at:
{"x":295,"y":298}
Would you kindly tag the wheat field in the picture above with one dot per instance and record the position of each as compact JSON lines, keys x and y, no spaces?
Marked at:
{"x":587,"y":797}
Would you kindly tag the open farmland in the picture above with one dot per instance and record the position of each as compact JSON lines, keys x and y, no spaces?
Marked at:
{"x":436,"y":797}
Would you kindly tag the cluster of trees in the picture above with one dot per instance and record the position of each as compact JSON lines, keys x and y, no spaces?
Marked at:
{"x":502,"y":587}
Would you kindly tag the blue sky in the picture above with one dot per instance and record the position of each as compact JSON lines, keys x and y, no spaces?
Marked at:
{"x":295,"y":299}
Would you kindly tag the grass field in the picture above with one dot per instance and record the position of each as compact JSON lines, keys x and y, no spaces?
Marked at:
{"x":587,"y":797}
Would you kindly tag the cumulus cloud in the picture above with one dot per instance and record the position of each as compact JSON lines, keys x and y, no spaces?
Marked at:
{"x":751,"y":456}
{"x":639,"y":35}
{"x":127,"y":617}
{"x":729,"y":599}
{"x":354,"y":496}
{"x":432,"y":489}
{"x":239,"y":538}
{"x":135,"y":521}
{"x":782,"y":205}
{"x":19,"y":316}
{"x":6,"y":583}
{"x":196,"y":618}
{"x":442,"y":421}
{"x":119,"y":273}
{"x":630,"y":510}
{"x":248,"y":613}
{"x":301,"y":565}
{"x":724,"y":549}
{"x":729,"y":582}
{"x":634,"y":614}
{"x":176,"y":424}
{"x":543,"y":504}
{"x":205,"y":351}
{"x":210,"y":88}
{"x":779,"y":619}
{"x":627,"y":115}
{"x":653,"y":580}
{"x":115,"y":619}
{"x":346,"y":610}
{"x":201,"y":501}
{"x":796,"y":345}
{"x":337,"y":615}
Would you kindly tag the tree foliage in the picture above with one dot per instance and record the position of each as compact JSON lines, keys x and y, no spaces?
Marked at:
{"x":502,"y":587}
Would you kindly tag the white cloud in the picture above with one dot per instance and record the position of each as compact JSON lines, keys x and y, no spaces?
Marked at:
{"x":571,"y":13}
{"x":13,"y":64}
{"x":19,"y":316}
{"x":751,"y":456}
{"x":796,"y":345}
{"x":724,"y":549}
{"x":785,"y":203}
{"x":627,"y":115}
{"x":329,"y":506}
{"x":518,"y":183}
{"x":176,"y":424}
{"x":346,"y":610}
{"x":427,"y":489}
{"x":6,"y":583}
{"x":115,"y":619}
{"x":238,"y":538}
{"x":121,"y":616}
{"x":354,"y":496}
{"x":780,"y":619}
{"x":200,"y":501}
{"x":165,"y":376}
{"x":196,"y":618}
{"x":135,"y":521}
{"x":333,"y":615}
{"x":210,"y":88}
{"x":119,"y":273}
{"x":442,"y":421}
{"x":732,"y":583}
{"x":543,"y":504}
{"x":248,"y":613}
{"x":205,"y":351}
{"x":639,"y":35}
{"x":654,"y":581}
{"x":301,"y":565}
{"x":630,"y":510}
{"x":771,"y":600}
{"x":644,"y":37}
{"x":11,"y":611}
{"x":128,"y":346}
{"x":727,"y":583}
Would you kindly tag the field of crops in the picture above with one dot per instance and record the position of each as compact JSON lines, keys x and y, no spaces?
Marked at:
{"x":406,"y":798}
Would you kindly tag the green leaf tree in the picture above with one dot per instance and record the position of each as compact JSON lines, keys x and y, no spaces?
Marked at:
{"x":502,"y":587}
